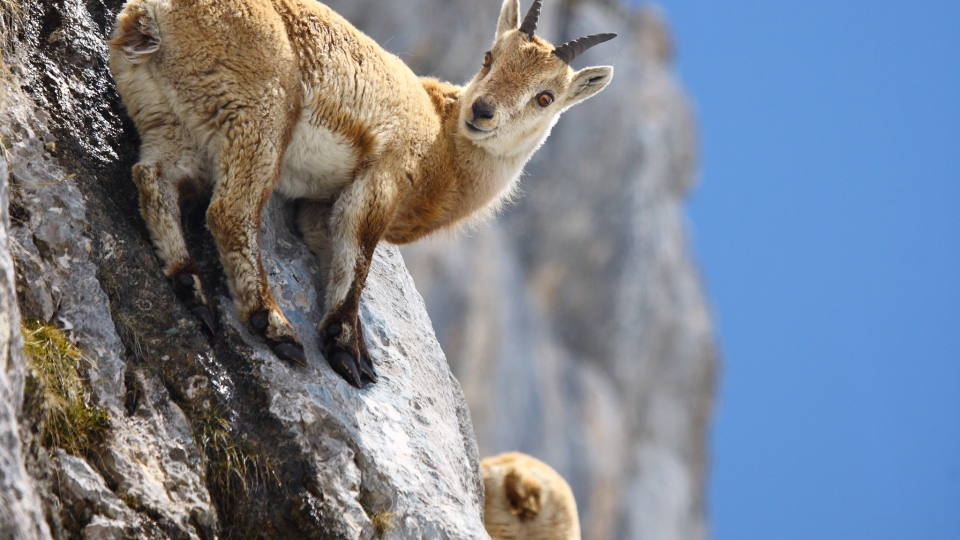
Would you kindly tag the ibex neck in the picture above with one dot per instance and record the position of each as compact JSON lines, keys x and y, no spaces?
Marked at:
{"x":455,"y":179}
{"x":484,"y":176}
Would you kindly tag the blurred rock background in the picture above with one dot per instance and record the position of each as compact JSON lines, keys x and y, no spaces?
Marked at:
{"x":577,"y":322}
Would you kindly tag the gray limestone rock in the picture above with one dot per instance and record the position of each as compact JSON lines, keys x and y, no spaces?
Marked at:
{"x":85,"y":492}
{"x":59,"y":282}
{"x":102,"y":528}
{"x":21,"y":516}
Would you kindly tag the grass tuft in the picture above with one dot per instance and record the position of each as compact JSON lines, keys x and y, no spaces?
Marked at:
{"x":65,"y":416}
{"x":382,"y":521}
{"x":234,"y":465}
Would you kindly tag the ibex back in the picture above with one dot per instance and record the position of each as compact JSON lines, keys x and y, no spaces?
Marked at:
{"x":257,"y":95}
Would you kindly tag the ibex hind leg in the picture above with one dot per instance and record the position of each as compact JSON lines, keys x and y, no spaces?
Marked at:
{"x":168,"y":163}
{"x":248,"y":170}
{"x":168,"y":158}
{"x":313,"y":221}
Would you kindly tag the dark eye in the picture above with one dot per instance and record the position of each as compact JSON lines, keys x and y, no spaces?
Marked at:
{"x":544,"y":99}
{"x":487,"y":60}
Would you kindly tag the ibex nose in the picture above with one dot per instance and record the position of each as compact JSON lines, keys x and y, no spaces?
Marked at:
{"x":482,"y":110}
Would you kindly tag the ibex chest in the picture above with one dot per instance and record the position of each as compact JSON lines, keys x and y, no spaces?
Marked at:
{"x":318,"y":162}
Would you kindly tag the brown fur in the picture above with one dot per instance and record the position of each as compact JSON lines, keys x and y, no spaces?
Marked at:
{"x":258,"y":95}
{"x":527,"y":500}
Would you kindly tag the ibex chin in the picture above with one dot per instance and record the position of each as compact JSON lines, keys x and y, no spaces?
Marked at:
{"x":257,"y":95}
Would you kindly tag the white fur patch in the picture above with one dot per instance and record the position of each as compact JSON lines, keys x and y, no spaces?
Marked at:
{"x":318,"y":162}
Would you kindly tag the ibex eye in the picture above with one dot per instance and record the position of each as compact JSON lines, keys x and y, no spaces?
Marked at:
{"x":487,"y":60}
{"x":544,"y":99}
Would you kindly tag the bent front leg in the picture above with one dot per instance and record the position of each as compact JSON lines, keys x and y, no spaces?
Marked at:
{"x":359,"y":219}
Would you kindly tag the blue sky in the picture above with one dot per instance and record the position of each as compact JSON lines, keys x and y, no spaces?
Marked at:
{"x":827,"y":225}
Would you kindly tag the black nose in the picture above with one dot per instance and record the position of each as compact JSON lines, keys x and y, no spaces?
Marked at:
{"x":482,"y":110}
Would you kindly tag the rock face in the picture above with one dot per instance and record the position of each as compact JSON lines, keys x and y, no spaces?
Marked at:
{"x":576,"y":323}
{"x":209,"y":437}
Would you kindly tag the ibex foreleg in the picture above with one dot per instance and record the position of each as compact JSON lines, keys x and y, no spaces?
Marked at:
{"x":360,"y":217}
{"x":248,"y":171}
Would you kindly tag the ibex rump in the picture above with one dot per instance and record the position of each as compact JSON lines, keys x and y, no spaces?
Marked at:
{"x":257,"y":95}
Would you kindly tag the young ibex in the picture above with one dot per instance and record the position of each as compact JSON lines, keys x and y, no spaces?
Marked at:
{"x":525,"y":499}
{"x":257,"y":95}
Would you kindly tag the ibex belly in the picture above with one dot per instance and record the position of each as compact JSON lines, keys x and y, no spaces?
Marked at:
{"x":318,"y":162}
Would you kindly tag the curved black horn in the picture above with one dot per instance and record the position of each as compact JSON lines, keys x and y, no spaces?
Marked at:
{"x":529,"y":25}
{"x":572,"y":49}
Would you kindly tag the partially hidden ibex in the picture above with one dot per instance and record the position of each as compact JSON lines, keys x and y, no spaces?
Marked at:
{"x":257,"y":95}
{"x":525,"y":499}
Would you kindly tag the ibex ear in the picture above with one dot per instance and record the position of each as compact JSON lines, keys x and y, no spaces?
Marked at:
{"x":588,"y":82}
{"x":523,"y":494}
{"x":509,"y":17}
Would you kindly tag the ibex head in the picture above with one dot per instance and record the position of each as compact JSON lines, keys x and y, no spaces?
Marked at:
{"x":525,"y":83}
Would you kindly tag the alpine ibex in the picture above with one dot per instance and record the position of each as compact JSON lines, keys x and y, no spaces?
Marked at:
{"x":525,"y":499}
{"x":257,"y":95}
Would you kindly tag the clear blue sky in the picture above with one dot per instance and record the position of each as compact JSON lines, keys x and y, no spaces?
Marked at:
{"x":828,"y":228}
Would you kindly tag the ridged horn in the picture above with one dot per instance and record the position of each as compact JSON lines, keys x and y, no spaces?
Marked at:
{"x":529,"y":25}
{"x":572,"y":49}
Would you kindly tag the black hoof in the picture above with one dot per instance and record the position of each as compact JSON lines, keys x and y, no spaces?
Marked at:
{"x":346,"y":366}
{"x":366,"y":370}
{"x":185,"y":279}
{"x":259,"y":321}
{"x":206,"y":320}
{"x":290,"y":352}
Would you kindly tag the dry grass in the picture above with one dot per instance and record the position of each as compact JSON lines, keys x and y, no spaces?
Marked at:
{"x":233,"y":464}
{"x":382,"y":521}
{"x":9,"y":12}
{"x":65,"y":416}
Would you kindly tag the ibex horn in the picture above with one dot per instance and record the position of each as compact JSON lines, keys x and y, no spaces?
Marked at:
{"x":572,"y":49}
{"x":529,"y":25}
